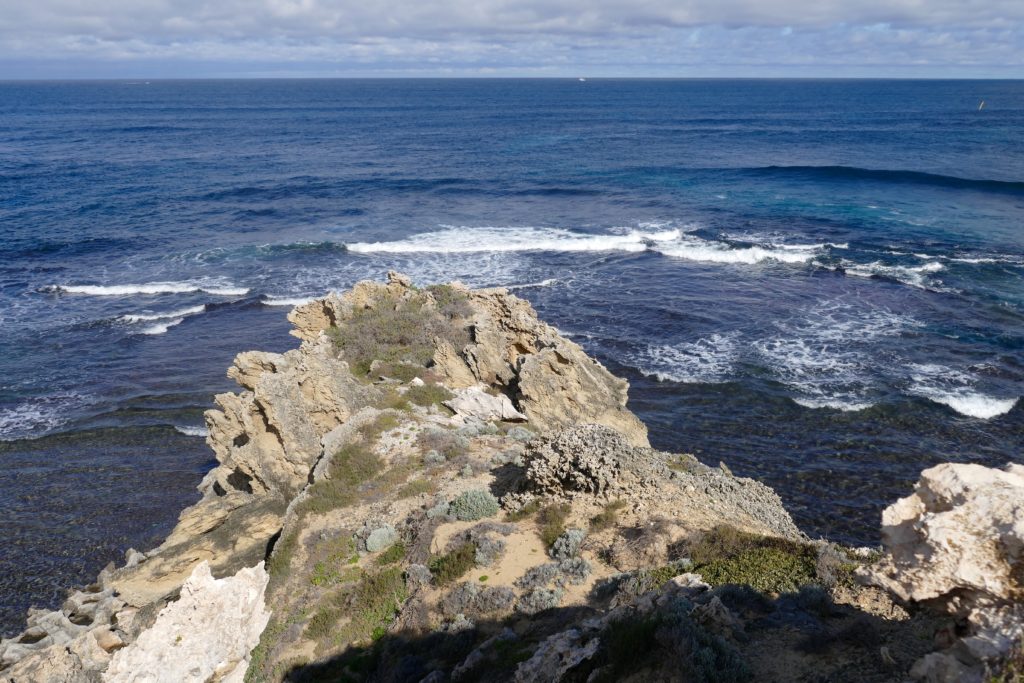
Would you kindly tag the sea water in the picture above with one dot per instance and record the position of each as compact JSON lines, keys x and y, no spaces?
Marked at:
{"x":819,"y":283}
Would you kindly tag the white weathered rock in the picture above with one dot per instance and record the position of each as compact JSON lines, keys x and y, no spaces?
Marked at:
{"x":474,"y":402}
{"x":207,"y":634}
{"x":958,"y":542}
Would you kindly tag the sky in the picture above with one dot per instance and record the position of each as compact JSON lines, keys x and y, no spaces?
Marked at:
{"x":520,"y":38}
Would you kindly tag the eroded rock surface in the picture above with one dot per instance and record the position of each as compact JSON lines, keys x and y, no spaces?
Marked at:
{"x":205,"y":635}
{"x":957,"y":543}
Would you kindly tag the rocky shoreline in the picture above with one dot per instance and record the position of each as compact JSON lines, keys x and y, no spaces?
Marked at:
{"x":437,"y":486}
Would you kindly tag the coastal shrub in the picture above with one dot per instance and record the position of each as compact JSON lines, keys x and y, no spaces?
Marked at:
{"x":474,"y":600}
{"x":608,"y":517}
{"x":332,"y":569}
{"x":415,"y":487}
{"x":552,"y":522}
{"x":401,"y":371}
{"x":568,"y":544}
{"x":770,"y":565}
{"x":540,"y":576}
{"x":452,"y":304}
{"x":447,"y":443}
{"x":428,"y":394}
{"x":575,"y":570}
{"x":381,"y":538}
{"x":400,"y":330}
{"x":370,"y":606}
{"x":432,"y":457}
{"x":474,"y":504}
{"x":539,"y":599}
{"x":525,"y":511}
{"x":281,"y":557}
{"x":488,"y":550}
{"x":1011,"y":668}
{"x":520,"y":433}
{"x":393,"y":555}
{"x":452,"y":566}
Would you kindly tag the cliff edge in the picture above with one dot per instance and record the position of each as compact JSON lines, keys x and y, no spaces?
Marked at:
{"x":438,"y":486}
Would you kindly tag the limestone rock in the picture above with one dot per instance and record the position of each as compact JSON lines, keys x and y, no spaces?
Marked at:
{"x":591,"y":459}
{"x":207,"y":634}
{"x":958,"y":543}
{"x":474,"y":402}
{"x":556,"y":656}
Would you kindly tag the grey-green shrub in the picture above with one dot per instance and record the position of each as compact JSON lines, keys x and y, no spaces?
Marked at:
{"x":474,"y":504}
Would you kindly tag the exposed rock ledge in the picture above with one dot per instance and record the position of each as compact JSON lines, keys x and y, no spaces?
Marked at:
{"x":372,"y":489}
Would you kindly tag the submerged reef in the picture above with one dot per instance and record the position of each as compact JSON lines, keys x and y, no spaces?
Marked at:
{"x":438,"y":486}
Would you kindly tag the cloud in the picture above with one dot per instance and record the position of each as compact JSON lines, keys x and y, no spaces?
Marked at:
{"x":517,"y":36}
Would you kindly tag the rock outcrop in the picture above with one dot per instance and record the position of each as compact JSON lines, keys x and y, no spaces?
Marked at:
{"x":205,"y":635}
{"x":957,"y":544}
{"x":365,"y":469}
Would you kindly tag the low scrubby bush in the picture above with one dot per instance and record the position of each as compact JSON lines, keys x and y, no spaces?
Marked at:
{"x":473,"y":504}
{"x":447,"y":443}
{"x":608,"y":517}
{"x":396,"y":330}
{"x":552,"y":522}
{"x":452,"y":566}
{"x":568,"y":544}
{"x":768,"y":564}
{"x":428,"y":394}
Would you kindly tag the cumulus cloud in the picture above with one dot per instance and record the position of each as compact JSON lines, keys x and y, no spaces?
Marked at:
{"x":522,"y":36}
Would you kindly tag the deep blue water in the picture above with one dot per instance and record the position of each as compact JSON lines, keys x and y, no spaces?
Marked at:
{"x":820,"y":283}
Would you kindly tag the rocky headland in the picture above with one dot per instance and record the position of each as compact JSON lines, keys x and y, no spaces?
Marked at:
{"x":437,"y":486}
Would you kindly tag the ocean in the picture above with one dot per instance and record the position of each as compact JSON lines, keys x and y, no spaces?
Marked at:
{"x":819,"y":283}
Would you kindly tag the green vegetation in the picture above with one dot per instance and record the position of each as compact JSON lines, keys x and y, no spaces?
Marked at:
{"x":398,"y":330}
{"x":552,"y":522}
{"x":608,"y":517}
{"x":281,"y":558}
{"x":452,"y":566}
{"x":331,"y":570}
{"x":403,"y":372}
{"x":448,"y":443}
{"x":370,"y":606}
{"x":770,"y":565}
{"x":428,"y":394}
{"x":483,"y":578}
{"x":627,"y":642}
{"x":473,"y":504}
{"x":1011,"y":669}
{"x":393,"y":555}
{"x":415,"y":488}
{"x":522,"y":513}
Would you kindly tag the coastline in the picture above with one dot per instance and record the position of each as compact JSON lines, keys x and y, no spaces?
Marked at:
{"x":284,"y":494}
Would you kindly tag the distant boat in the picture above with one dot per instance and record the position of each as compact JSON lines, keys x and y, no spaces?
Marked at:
{"x":981,"y":106}
{"x":582,"y":80}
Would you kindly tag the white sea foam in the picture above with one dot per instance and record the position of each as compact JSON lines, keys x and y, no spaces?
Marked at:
{"x":915,"y":276}
{"x":181,"y":313}
{"x":693,"y":248}
{"x":286,"y":301}
{"x":705,"y":361}
{"x":534,"y":285}
{"x":151,"y":288}
{"x":193,"y":431}
{"x":461,"y":240}
{"x":38,"y":416}
{"x":828,"y":354}
{"x":956,"y":389}
{"x":162,"y":327}
{"x":845,"y":406}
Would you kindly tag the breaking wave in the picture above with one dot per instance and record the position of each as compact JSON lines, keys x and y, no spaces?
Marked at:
{"x":956,"y":390}
{"x":150,"y":288}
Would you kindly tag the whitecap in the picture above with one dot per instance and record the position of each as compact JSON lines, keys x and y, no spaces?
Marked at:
{"x":705,"y":361}
{"x":693,"y":248}
{"x":915,"y":276}
{"x":160,"y":328}
{"x":845,"y":406}
{"x":287,"y":301}
{"x":150,"y":288}
{"x":38,"y":416}
{"x":956,"y":389}
{"x":515,"y":239}
{"x":534,"y":285}
{"x":193,"y":431}
{"x":181,"y":313}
